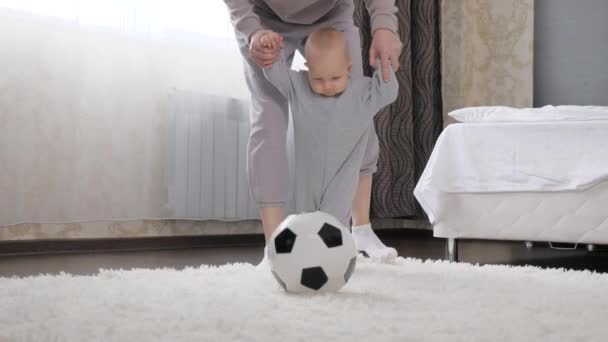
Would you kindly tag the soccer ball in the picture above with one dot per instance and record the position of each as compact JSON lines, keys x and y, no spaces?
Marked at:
{"x":311,"y":252}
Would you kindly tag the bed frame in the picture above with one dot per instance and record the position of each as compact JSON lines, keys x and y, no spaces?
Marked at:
{"x":573,"y":217}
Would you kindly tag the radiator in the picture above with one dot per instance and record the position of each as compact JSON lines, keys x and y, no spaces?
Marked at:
{"x":207,"y":155}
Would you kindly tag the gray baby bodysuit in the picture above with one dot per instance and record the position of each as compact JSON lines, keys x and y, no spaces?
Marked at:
{"x":330,"y":136}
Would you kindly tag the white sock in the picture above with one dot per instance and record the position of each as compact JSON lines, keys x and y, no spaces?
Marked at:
{"x":367,"y":241}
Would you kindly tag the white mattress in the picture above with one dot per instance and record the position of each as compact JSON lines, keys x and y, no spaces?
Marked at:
{"x":514,"y":157}
{"x":519,"y":181}
{"x":569,"y":216}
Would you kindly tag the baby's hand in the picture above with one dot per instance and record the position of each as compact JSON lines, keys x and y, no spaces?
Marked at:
{"x":272,"y":40}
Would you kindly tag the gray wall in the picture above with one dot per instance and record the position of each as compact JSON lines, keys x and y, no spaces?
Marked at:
{"x":571,"y":52}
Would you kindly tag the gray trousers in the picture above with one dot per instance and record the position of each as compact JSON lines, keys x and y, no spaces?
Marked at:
{"x":267,"y":166}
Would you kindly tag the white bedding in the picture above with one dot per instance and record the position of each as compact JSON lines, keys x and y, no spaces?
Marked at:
{"x":514,"y":157}
{"x":546,"y":113}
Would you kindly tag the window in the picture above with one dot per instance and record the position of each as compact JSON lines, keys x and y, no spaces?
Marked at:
{"x":148,"y":17}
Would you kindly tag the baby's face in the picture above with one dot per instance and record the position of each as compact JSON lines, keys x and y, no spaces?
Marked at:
{"x":328,"y":75}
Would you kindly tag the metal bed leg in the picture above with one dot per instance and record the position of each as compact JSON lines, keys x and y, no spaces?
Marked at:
{"x":452,"y":249}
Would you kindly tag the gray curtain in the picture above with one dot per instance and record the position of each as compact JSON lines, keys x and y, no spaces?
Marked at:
{"x":407,"y":129}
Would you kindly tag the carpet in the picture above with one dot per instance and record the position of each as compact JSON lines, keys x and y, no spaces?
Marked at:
{"x":410,"y":300}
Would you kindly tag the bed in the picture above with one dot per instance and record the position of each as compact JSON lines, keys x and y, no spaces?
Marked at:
{"x":531,"y":180}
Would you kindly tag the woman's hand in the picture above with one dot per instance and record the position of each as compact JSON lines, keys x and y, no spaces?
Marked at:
{"x":387,"y":47}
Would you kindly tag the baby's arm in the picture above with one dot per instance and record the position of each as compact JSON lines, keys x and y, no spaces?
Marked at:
{"x":378,"y":93}
{"x":279,"y":73}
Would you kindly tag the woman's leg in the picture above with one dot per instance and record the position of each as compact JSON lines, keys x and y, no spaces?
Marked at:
{"x":267,"y":168}
{"x":365,"y":239}
{"x":361,"y":202}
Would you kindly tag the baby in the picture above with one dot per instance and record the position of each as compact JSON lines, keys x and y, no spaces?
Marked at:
{"x":332,"y":119}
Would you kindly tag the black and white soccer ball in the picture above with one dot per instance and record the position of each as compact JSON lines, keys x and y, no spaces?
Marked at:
{"x":311,"y":252}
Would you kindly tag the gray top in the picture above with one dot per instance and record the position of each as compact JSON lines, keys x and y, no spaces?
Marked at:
{"x":360,"y":101}
{"x":330,"y":134}
{"x":246,"y":21}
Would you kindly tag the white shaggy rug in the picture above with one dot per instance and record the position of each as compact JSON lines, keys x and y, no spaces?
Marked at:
{"x":410,"y":300}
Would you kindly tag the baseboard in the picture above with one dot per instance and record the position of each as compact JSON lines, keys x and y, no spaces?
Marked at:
{"x":64,"y":246}
{"x":159,"y":228}
{"x":70,"y":246}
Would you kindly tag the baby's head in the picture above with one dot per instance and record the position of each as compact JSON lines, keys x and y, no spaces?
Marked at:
{"x":328,"y":61}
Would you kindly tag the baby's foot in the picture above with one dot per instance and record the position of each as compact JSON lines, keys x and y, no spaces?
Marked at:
{"x":368,"y":243}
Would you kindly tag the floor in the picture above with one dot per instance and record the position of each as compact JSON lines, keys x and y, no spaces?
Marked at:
{"x":417,"y":244}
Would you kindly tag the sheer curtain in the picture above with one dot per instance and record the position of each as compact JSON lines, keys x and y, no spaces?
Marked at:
{"x":145,"y":18}
{"x":86,"y":121}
